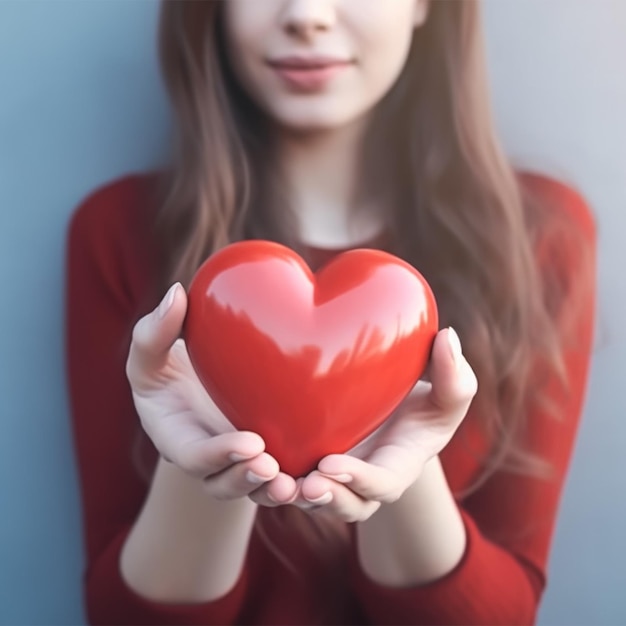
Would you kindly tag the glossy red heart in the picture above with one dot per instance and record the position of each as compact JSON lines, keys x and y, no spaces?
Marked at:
{"x":312,"y":362}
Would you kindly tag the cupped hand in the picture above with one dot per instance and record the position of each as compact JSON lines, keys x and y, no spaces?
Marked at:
{"x":181,"y":419}
{"x":381,"y":468}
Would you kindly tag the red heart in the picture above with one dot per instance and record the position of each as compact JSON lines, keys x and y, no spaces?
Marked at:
{"x":312,"y":362}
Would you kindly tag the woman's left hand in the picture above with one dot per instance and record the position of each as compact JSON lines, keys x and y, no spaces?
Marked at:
{"x":381,"y":468}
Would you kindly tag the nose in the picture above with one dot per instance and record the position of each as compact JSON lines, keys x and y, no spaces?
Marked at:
{"x":306,"y":18}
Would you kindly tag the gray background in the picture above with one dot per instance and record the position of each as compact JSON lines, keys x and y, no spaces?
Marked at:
{"x":81,"y":102}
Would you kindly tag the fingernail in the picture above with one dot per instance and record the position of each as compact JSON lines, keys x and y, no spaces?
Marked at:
{"x":255,"y":479}
{"x":237,"y":458}
{"x":323,"y":499}
{"x":167,"y":301}
{"x":455,"y":346}
{"x":340,"y":478}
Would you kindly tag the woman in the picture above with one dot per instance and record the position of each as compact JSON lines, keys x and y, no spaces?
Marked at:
{"x":327,"y":125}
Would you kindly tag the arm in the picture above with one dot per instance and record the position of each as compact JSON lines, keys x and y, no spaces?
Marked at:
{"x":509,"y":521}
{"x":444,"y":570}
{"x":417,"y":539}
{"x":186,"y":547}
{"x":107,"y":270}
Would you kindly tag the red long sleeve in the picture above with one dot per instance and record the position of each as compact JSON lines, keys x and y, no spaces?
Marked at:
{"x":509,"y":520}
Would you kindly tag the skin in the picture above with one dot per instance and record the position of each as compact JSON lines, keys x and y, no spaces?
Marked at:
{"x":392,"y":485}
{"x":374,"y":36}
{"x":319,"y":133}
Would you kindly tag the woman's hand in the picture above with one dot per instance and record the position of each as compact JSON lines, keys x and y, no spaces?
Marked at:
{"x":182,"y":420}
{"x":380,"y":469}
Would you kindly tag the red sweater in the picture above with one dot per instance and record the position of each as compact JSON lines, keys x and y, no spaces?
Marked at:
{"x":509,"y":520}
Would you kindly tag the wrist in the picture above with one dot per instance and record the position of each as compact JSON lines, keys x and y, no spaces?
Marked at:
{"x":185,"y":546}
{"x":418,"y":538}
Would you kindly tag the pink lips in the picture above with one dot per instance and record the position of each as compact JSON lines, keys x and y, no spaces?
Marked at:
{"x":308,"y":74}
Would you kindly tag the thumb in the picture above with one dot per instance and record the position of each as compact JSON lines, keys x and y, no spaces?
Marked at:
{"x":452,"y":378}
{"x":155,"y":333}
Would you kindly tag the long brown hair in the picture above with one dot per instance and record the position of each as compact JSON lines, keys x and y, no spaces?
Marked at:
{"x":457,"y":210}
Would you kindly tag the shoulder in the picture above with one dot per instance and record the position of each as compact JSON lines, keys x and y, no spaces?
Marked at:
{"x":112,"y":225}
{"x":109,"y":239}
{"x":118,"y":206}
{"x":563,"y":231}
{"x":556,"y":200}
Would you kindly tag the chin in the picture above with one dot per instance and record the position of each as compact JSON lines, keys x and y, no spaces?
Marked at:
{"x":307,"y":122}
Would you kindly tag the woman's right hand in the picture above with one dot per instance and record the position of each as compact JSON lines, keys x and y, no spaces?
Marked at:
{"x":181,"y":419}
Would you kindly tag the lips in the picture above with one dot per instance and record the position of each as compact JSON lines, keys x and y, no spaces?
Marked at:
{"x":295,"y":62}
{"x":307,"y":74}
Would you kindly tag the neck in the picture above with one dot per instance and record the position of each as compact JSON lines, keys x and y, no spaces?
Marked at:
{"x":322,"y":175}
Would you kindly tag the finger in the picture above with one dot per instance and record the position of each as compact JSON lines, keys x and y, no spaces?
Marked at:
{"x":155,"y":333}
{"x":319,"y":492}
{"x":452,"y":378}
{"x":202,"y":455}
{"x":283,"y":489}
{"x":382,"y":481}
{"x":240,"y":479}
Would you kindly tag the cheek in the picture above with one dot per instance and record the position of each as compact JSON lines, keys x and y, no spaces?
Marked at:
{"x":244,"y":52}
{"x":384,"y":38}
{"x":384,"y":59}
{"x":246,"y":27}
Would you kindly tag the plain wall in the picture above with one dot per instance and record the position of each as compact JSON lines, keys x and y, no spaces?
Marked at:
{"x":81,"y":102}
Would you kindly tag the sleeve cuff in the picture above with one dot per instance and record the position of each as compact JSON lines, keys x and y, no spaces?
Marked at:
{"x":487,"y":586}
{"x":111,"y":601}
